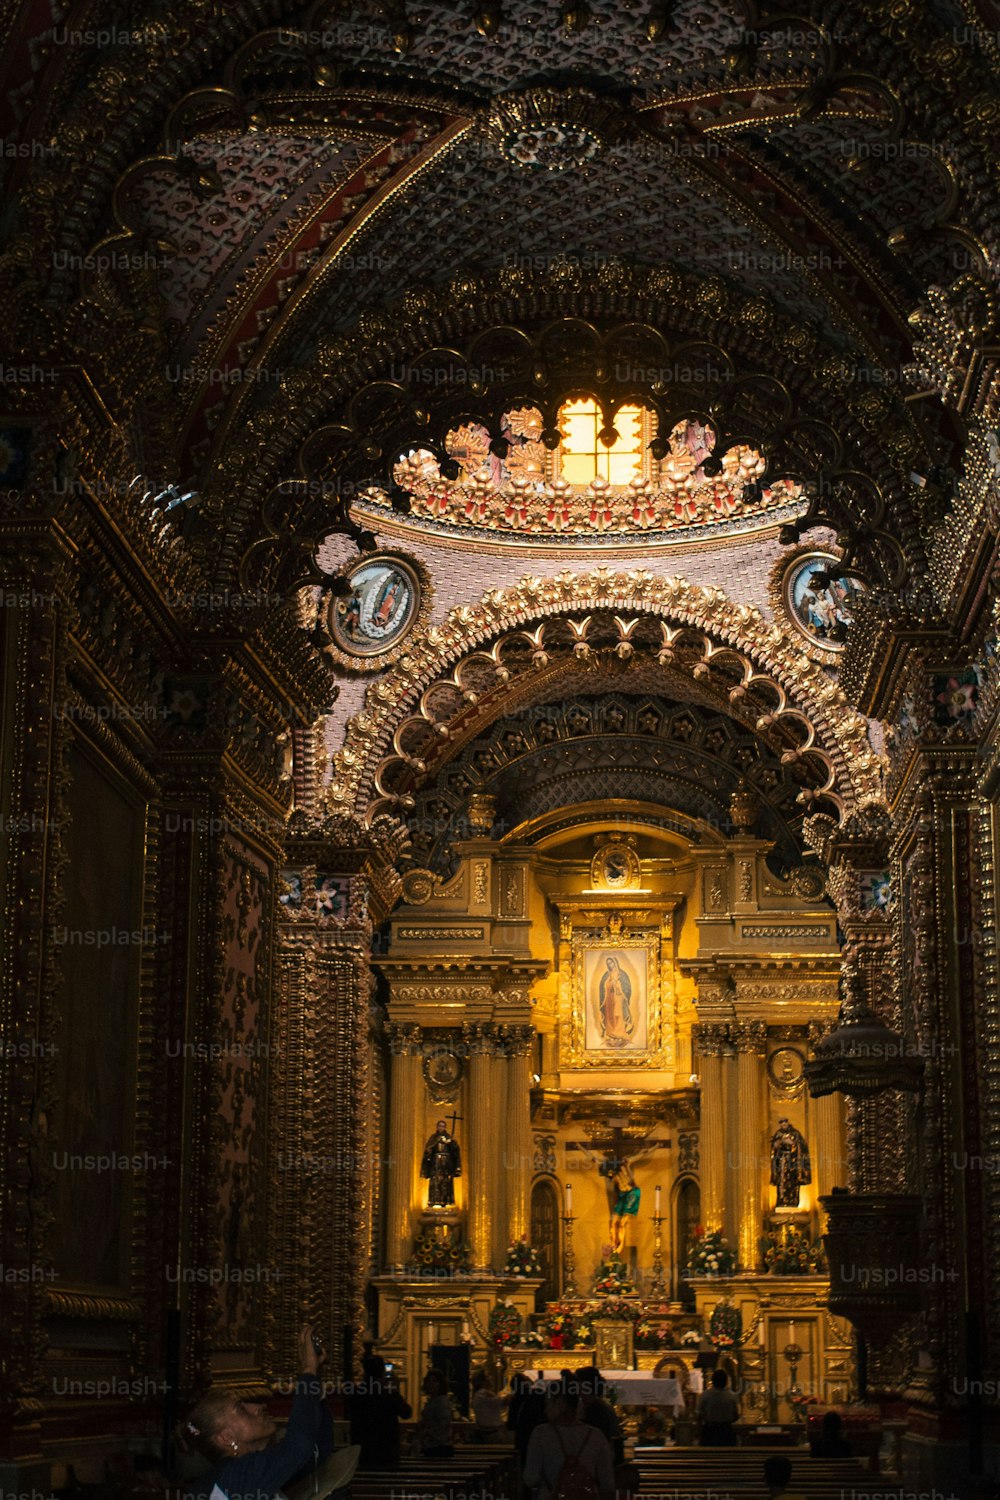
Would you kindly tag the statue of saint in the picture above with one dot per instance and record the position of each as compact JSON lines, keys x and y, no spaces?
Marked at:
{"x":789,"y":1163}
{"x":441,"y":1163}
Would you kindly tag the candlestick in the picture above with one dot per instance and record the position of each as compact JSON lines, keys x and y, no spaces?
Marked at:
{"x":569,"y":1261}
{"x":658,"y":1288}
{"x":657,"y":1193}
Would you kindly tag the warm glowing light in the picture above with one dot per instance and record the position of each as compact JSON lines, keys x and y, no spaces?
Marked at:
{"x":584,"y":458}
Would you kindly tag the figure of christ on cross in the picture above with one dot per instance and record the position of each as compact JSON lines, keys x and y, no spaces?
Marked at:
{"x":616,"y":1168}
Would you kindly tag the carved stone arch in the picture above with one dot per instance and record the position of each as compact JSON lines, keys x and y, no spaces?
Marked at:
{"x":458,"y":673}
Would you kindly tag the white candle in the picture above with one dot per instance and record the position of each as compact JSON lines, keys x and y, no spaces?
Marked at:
{"x":657,"y":1202}
{"x":760,"y":1333}
{"x":791,"y":1333}
{"x":569,"y":1197}
{"x":465,"y":1330}
{"x":430,"y":1333}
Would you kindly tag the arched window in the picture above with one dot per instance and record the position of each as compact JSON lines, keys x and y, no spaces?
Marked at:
{"x":582,"y":457}
{"x":545,"y":1236}
{"x":687,"y":1208}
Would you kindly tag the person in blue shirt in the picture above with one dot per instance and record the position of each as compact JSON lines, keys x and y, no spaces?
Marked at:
{"x":238,"y":1437}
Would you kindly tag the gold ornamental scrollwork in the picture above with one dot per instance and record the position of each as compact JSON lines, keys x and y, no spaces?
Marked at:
{"x":800,"y":693}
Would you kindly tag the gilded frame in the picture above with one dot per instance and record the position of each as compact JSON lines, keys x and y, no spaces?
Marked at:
{"x":780,"y":586}
{"x":375,"y":658}
{"x":583,"y":1022}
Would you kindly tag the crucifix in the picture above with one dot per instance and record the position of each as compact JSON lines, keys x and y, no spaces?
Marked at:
{"x":616,"y":1167}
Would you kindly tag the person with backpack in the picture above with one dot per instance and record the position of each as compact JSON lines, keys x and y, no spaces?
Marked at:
{"x":567,"y":1459}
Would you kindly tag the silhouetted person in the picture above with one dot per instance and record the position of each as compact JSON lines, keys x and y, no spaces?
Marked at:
{"x":436,"y":1436}
{"x":525,"y":1412}
{"x":832,"y":1442}
{"x":718,"y":1410}
{"x":777,"y":1474}
{"x":596,"y":1411}
{"x":563,"y":1436}
{"x":375,"y":1409}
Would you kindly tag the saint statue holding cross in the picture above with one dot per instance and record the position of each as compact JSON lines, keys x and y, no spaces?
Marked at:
{"x":441,"y":1164}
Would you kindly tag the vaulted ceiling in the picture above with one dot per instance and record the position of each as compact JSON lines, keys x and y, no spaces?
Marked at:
{"x":229,"y":221}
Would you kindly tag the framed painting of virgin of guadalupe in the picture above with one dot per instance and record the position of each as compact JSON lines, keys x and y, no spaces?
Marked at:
{"x":616,"y":999}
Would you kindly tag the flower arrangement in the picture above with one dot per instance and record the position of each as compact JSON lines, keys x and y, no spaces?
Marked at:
{"x":560,"y":1325}
{"x":504,"y":1325}
{"x":654,"y":1335}
{"x":532,"y":1339}
{"x":791,"y":1252}
{"x":584,"y":1333}
{"x":522,"y":1259}
{"x":711,"y":1254}
{"x":612,"y":1279}
{"x":800,"y":1403}
{"x":431,"y":1253}
{"x":725,"y":1326}
{"x":617,"y":1309}
{"x":690,"y":1338}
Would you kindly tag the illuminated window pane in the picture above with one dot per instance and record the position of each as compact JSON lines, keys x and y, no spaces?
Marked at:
{"x":582,"y":454}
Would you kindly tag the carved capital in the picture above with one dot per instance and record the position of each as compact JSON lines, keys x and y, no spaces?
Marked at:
{"x":749,"y":1036}
{"x":405,"y":1039}
{"x":711,"y":1040}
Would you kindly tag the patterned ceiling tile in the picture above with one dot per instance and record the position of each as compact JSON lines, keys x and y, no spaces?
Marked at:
{"x":531,"y":42}
{"x":901,"y":183}
{"x":267,"y":181}
{"x":477,"y":211}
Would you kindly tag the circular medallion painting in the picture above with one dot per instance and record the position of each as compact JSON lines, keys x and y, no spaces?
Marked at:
{"x":820,"y":609}
{"x":381,"y":609}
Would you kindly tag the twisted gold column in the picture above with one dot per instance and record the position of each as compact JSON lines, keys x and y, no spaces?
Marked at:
{"x":404,"y":1145}
{"x":746,"y":1152}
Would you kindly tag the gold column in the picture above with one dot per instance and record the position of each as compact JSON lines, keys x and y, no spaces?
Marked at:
{"x":747,"y":1141}
{"x":828,"y":1154}
{"x":712,"y":1047}
{"x":405,"y":1116}
{"x":483,"y":1180}
{"x":517,"y":1133}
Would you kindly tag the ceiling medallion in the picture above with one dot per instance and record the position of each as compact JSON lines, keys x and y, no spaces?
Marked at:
{"x":809,"y":590}
{"x":554,"y":147}
{"x":389,"y":594}
{"x":553,"y":130}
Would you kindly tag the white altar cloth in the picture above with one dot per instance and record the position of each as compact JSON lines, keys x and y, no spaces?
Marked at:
{"x":634,"y":1387}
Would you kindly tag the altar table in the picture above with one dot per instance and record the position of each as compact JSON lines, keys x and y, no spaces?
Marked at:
{"x":634,"y":1387}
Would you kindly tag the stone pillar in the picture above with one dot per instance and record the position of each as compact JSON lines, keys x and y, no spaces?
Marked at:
{"x":712,"y":1048}
{"x":517,"y":1137}
{"x":485,"y":1145}
{"x":404,"y":1140}
{"x":747,"y":1140}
